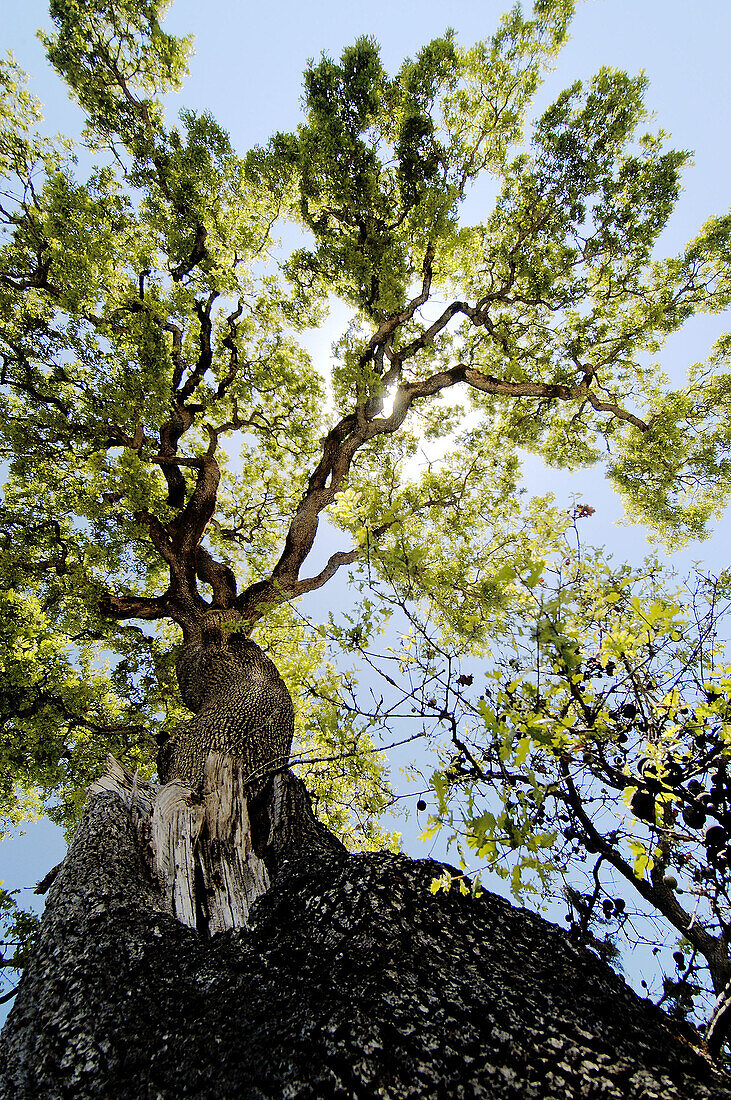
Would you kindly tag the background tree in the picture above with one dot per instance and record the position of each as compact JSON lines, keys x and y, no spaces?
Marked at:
{"x":581,"y":750}
{"x":149,"y":317}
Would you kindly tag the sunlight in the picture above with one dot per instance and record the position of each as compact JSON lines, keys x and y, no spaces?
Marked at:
{"x":388,"y":400}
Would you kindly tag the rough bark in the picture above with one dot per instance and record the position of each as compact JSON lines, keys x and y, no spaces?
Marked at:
{"x":351,"y":980}
{"x":241,"y":708}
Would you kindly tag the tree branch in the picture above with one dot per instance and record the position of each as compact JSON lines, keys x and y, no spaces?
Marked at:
{"x":221,"y":578}
{"x":342,"y":444}
{"x":189,"y":527}
{"x":205,"y":357}
{"x":198,"y":253}
{"x":229,"y":342}
{"x":663,"y":900}
{"x":135,"y":607}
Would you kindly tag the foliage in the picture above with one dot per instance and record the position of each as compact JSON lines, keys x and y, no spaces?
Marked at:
{"x":585,"y":756}
{"x":18,"y":929}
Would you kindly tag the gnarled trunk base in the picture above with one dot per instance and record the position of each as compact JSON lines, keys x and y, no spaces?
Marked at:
{"x":350,"y":980}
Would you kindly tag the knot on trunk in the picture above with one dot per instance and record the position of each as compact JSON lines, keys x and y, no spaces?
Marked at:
{"x":242,"y":709}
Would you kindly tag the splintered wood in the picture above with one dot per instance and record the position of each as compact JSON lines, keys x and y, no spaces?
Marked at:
{"x":200,"y":849}
{"x":177,"y":822}
{"x":233,"y":875}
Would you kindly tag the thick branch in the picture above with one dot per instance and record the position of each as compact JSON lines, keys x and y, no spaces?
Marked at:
{"x":189,"y":527}
{"x":616,"y":410}
{"x":229,"y":342}
{"x":205,"y":357}
{"x":198,"y":252}
{"x":136,"y":607}
{"x":221,"y":578}
{"x":170,"y":434}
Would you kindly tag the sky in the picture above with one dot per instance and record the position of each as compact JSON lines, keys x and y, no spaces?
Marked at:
{"x":247,"y":71}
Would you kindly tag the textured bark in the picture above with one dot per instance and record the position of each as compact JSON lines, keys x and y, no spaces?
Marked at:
{"x":352,"y":980}
{"x":242,"y":708}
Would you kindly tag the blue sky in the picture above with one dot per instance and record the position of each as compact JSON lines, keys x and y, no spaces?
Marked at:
{"x":247,"y":71}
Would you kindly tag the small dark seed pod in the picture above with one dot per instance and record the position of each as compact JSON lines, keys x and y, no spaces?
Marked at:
{"x":716,"y":837}
{"x":694,"y":816}
{"x":642,"y":805}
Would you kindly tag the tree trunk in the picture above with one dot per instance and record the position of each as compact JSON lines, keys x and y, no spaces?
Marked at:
{"x":346,"y":978}
{"x":241,"y":705}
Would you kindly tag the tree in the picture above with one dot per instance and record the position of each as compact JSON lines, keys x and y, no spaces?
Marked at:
{"x":172,"y":450}
{"x":595,"y":729}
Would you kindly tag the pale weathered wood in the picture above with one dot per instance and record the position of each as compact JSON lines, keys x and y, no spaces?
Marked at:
{"x":200,"y":851}
{"x":177,"y":821}
{"x":130,"y":788}
{"x":232,"y":873}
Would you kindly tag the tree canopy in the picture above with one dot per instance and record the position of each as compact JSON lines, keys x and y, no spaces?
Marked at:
{"x":171,"y":450}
